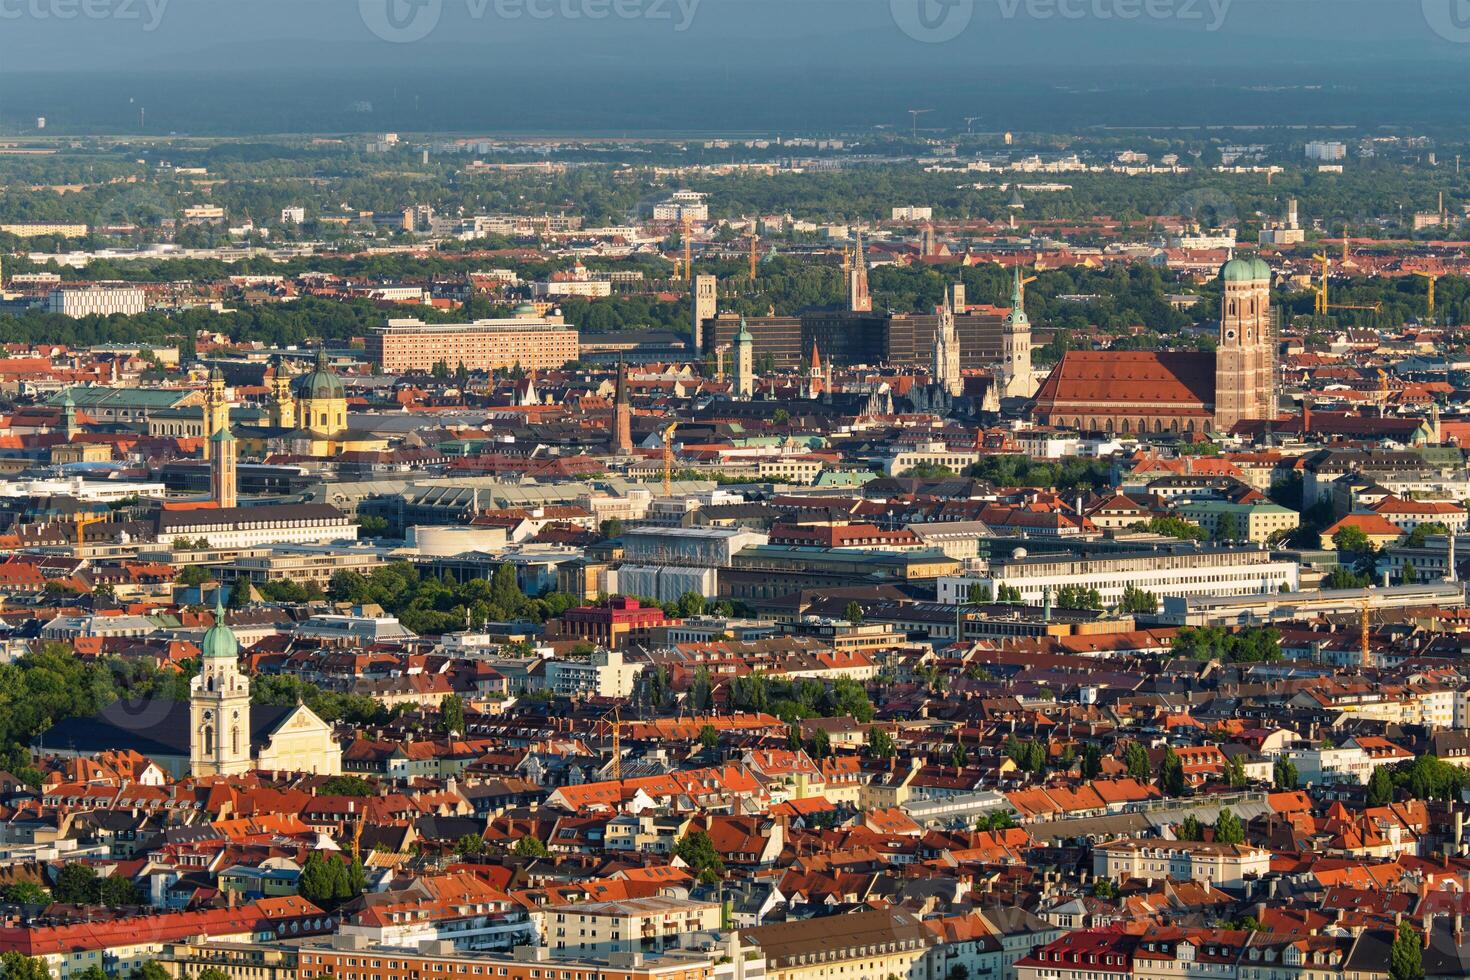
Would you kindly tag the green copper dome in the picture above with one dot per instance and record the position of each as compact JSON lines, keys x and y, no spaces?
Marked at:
{"x":321,"y":382}
{"x":1245,"y":270}
{"x":744,"y":337}
{"x":219,"y":640}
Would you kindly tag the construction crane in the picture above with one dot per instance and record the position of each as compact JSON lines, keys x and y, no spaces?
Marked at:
{"x":720,"y":361}
{"x":914,"y":115}
{"x":753,"y":237}
{"x":83,"y":522}
{"x":617,"y":739}
{"x":1433,"y":278}
{"x":668,"y":440}
{"x":970,"y":124}
{"x":686,"y":234}
{"x":1365,"y":654}
{"x":1320,"y":305}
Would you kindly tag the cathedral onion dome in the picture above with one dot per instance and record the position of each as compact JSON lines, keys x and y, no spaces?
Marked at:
{"x":321,"y":382}
{"x":219,"y":640}
{"x":1245,"y":270}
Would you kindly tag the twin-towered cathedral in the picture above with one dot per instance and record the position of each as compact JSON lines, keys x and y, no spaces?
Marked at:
{"x":1188,"y":393}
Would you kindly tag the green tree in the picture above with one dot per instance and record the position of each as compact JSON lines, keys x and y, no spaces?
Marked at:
{"x":1009,"y":594}
{"x":709,"y":737}
{"x":1284,"y":774}
{"x":345,"y":786}
{"x":1171,"y":774}
{"x":1405,"y":956}
{"x":25,"y":893}
{"x":1190,"y":829}
{"x":1228,"y":829}
{"x":698,"y":853}
{"x":880,"y":743}
{"x":1228,"y":528}
{"x":118,"y":892}
{"x":611,"y":528}
{"x":1380,"y":787}
{"x":691,"y":604}
{"x":451,"y":715}
{"x":1135,"y":757}
{"x":529,"y":846}
{"x":853,"y":613}
{"x":1235,"y":771}
{"x":1422,"y":532}
{"x":1138,"y":602}
{"x":701,"y":689}
{"x":1091,"y":762}
{"x":470,"y":845}
{"x":76,"y":884}
{"x":18,"y":966}
{"x":1174,"y":527}
{"x":1352,"y":540}
{"x":979,"y":594}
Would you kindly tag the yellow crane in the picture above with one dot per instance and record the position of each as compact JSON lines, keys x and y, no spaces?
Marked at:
{"x":753,"y":237}
{"x":1366,"y":655}
{"x":1433,"y":278}
{"x":688,"y":231}
{"x":617,"y":741}
{"x":668,"y":439}
{"x":82,"y":522}
{"x":1320,"y":306}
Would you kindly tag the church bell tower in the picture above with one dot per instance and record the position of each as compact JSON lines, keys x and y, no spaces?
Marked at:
{"x":219,"y":703}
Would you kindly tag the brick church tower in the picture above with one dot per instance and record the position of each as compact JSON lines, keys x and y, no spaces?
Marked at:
{"x":1245,"y":357}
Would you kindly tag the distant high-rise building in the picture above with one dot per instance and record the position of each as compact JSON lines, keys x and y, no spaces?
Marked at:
{"x":704,"y":297}
{"x":858,"y":300}
{"x":744,"y":362}
{"x":534,"y":342}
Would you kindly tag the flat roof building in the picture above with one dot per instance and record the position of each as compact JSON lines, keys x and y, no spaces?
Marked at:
{"x":533,"y":342}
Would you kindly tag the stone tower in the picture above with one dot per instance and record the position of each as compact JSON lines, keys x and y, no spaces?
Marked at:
{"x":705,"y":300}
{"x":219,"y":703}
{"x":622,"y":417}
{"x":216,"y":409}
{"x":945,"y":369}
{"x":744,"y":362}
{"x":1244,"y":359}
{"x":1015,"y":347}
{"x":858,"y":300}
{"x":283,"y":403}
{"x":222,"y":467}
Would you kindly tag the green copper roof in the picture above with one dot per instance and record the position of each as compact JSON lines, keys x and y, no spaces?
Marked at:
{"x":1245,"y":270}
{"x":743,"y":336}
{"x":321,"y":382}
{"x":219,"y":640}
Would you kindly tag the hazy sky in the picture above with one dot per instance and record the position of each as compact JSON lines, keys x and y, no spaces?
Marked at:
{"x":712,"y":64}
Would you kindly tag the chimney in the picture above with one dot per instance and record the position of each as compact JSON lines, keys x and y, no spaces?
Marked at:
{"x":1428,"y":927}
{"x":1306,"y":416}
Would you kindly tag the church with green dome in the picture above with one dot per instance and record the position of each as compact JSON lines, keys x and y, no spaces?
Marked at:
{"x":218,"y":732}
